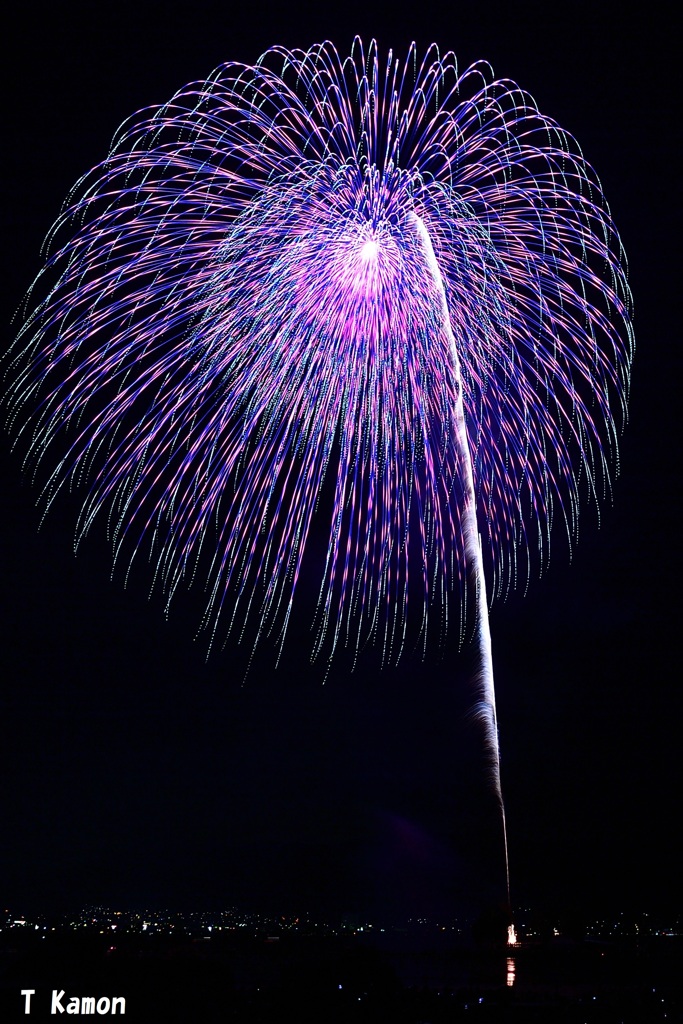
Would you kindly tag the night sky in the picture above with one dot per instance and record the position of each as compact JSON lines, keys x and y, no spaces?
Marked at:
{"x":133,"y":773}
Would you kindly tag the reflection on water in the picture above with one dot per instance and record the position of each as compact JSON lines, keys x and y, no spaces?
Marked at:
{"x":510,"y":979}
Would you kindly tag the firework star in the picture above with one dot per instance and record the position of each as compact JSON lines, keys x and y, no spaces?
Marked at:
{"x":384,"y":282}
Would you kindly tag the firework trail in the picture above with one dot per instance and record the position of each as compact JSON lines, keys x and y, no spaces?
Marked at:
{"x":389,"y":276}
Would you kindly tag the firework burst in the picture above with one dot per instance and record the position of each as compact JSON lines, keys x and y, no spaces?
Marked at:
{"x":391,"y":277}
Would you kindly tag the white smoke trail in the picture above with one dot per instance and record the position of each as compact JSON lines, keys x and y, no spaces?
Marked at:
{"x":485,"y":704}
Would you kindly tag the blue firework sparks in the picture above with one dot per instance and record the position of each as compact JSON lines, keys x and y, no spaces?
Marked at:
{"x":239,"y":305}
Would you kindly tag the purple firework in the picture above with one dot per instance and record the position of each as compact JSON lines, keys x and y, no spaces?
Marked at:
{"x":391,"y":278}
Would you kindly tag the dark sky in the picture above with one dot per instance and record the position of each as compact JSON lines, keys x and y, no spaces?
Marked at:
{"x":132,"y":772}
